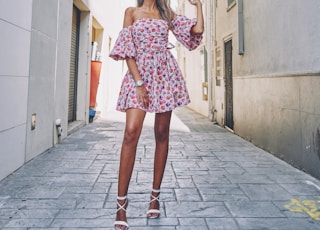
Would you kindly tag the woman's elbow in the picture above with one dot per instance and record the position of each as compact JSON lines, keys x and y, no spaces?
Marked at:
{"x":197,"y":31}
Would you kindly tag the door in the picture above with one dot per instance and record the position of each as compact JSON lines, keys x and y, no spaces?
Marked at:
{"x":229,"y":83}
{"x":73,"y":77}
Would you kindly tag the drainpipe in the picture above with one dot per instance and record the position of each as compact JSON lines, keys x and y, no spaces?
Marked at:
{"x":240,"y":27}
{"x":211,"y":35}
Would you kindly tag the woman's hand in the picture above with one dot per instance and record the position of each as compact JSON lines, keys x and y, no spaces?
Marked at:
{"x":199,"y":27}
{"x":141,"y":91}
{"x":195,"y":2}
{"x":142,"y":96}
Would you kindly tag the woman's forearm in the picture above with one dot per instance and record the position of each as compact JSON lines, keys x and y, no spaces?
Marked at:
{"x":199,"y":27}
{"x":133,"y":68}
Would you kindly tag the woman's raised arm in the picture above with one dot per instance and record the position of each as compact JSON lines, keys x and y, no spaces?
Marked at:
{"x":199,"y":27}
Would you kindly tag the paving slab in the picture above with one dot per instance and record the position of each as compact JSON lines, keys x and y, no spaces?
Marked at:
{"x":213,"y":180}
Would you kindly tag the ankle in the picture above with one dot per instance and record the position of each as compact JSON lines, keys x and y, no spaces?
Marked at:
{"x":155,"y":192}
{"x":122,"y":203}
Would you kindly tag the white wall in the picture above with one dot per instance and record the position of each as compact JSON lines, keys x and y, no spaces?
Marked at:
{"x":42,"y":76}
{"x":14,"y":77}
{"x":62,"y":69}
{"x":34,"y":73}
{"x":49,"y":72}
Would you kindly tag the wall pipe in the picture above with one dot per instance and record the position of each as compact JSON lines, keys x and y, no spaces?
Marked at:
{"x":240,"y":27}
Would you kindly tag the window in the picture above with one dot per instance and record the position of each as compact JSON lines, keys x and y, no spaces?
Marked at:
{"x":231,"y":3}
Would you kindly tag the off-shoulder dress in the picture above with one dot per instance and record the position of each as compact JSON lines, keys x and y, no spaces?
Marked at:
{"x":147,"y":41}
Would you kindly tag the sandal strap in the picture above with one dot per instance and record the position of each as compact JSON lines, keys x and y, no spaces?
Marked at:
{"x":153,"y":211}
{"x":155,"y":198}
{"x":155,"y":190}
{"x":123,"y":223}
{"x":121,"y":197}
{"x":122,"y":207}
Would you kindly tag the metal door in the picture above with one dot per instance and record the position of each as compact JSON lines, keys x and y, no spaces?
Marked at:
{"x":73,"y":77}
{"x":229,"y":83}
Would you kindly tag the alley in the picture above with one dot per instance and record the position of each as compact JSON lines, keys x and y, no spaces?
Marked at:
{"x":213,"y":180}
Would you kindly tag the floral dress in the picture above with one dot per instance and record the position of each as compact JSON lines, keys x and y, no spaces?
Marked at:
{"x":146,"y":40}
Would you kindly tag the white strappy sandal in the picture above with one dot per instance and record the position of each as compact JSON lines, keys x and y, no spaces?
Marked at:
{"x":121,"y":207}
{"x":154,"y":211}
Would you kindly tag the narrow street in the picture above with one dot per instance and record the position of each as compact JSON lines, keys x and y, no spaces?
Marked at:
{"x":213,"y":180}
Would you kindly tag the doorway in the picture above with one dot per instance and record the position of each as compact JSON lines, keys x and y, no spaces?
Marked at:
{"x":229,"y":84}
{"x":73,"y":77}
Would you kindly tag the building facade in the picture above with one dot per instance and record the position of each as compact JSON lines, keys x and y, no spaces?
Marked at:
{"x":45,"y":71}
{"x":265,"y":75}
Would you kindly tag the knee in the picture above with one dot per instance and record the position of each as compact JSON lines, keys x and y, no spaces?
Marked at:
{"x":162,"y":135}
{"x":131,"y":136}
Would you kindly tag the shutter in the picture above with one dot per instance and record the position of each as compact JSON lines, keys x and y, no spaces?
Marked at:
{"x":73,"y":66}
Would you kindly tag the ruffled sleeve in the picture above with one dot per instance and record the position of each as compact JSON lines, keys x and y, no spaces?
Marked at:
{"x":124,"y":46}
{"x":181,"y":29}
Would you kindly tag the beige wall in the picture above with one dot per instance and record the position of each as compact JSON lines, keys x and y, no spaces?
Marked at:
{"x":276,"y":82}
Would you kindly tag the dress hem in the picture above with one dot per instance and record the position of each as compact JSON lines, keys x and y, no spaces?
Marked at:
{"x":151,"y":111}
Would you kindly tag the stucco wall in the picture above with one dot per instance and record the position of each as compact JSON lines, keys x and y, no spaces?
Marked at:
{"x":48,"y":81}
{"x":277,"y":80}
{"x":280,"y":37}
{"x":34,"y":75}
{"x":281,"y":114}
{"x":14,"y":73}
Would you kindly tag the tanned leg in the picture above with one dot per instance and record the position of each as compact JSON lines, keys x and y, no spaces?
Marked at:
{"x":161,"y":131}
{"x":134,"y":122}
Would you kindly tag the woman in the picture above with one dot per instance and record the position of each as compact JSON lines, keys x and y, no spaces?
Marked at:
{"x":153,"y":83}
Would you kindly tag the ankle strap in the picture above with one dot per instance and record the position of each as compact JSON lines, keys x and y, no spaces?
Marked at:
{"x":121,"y":197}
{"x":155,"y":190}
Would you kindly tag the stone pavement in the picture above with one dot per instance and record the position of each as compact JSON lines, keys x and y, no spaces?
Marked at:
{"x":213,"y":180}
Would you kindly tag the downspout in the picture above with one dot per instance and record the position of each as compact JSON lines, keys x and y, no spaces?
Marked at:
{"x":240,"y":27}
{"x":211,"y":11}
{"x":209,"y":56}
{"x":56,"y":129}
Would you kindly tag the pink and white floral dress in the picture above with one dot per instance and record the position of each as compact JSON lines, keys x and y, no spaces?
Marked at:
{"x":146,"y":40}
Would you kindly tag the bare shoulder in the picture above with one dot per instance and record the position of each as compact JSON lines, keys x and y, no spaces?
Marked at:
{"x":130,"y":10}
{"x":129,"y":16}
